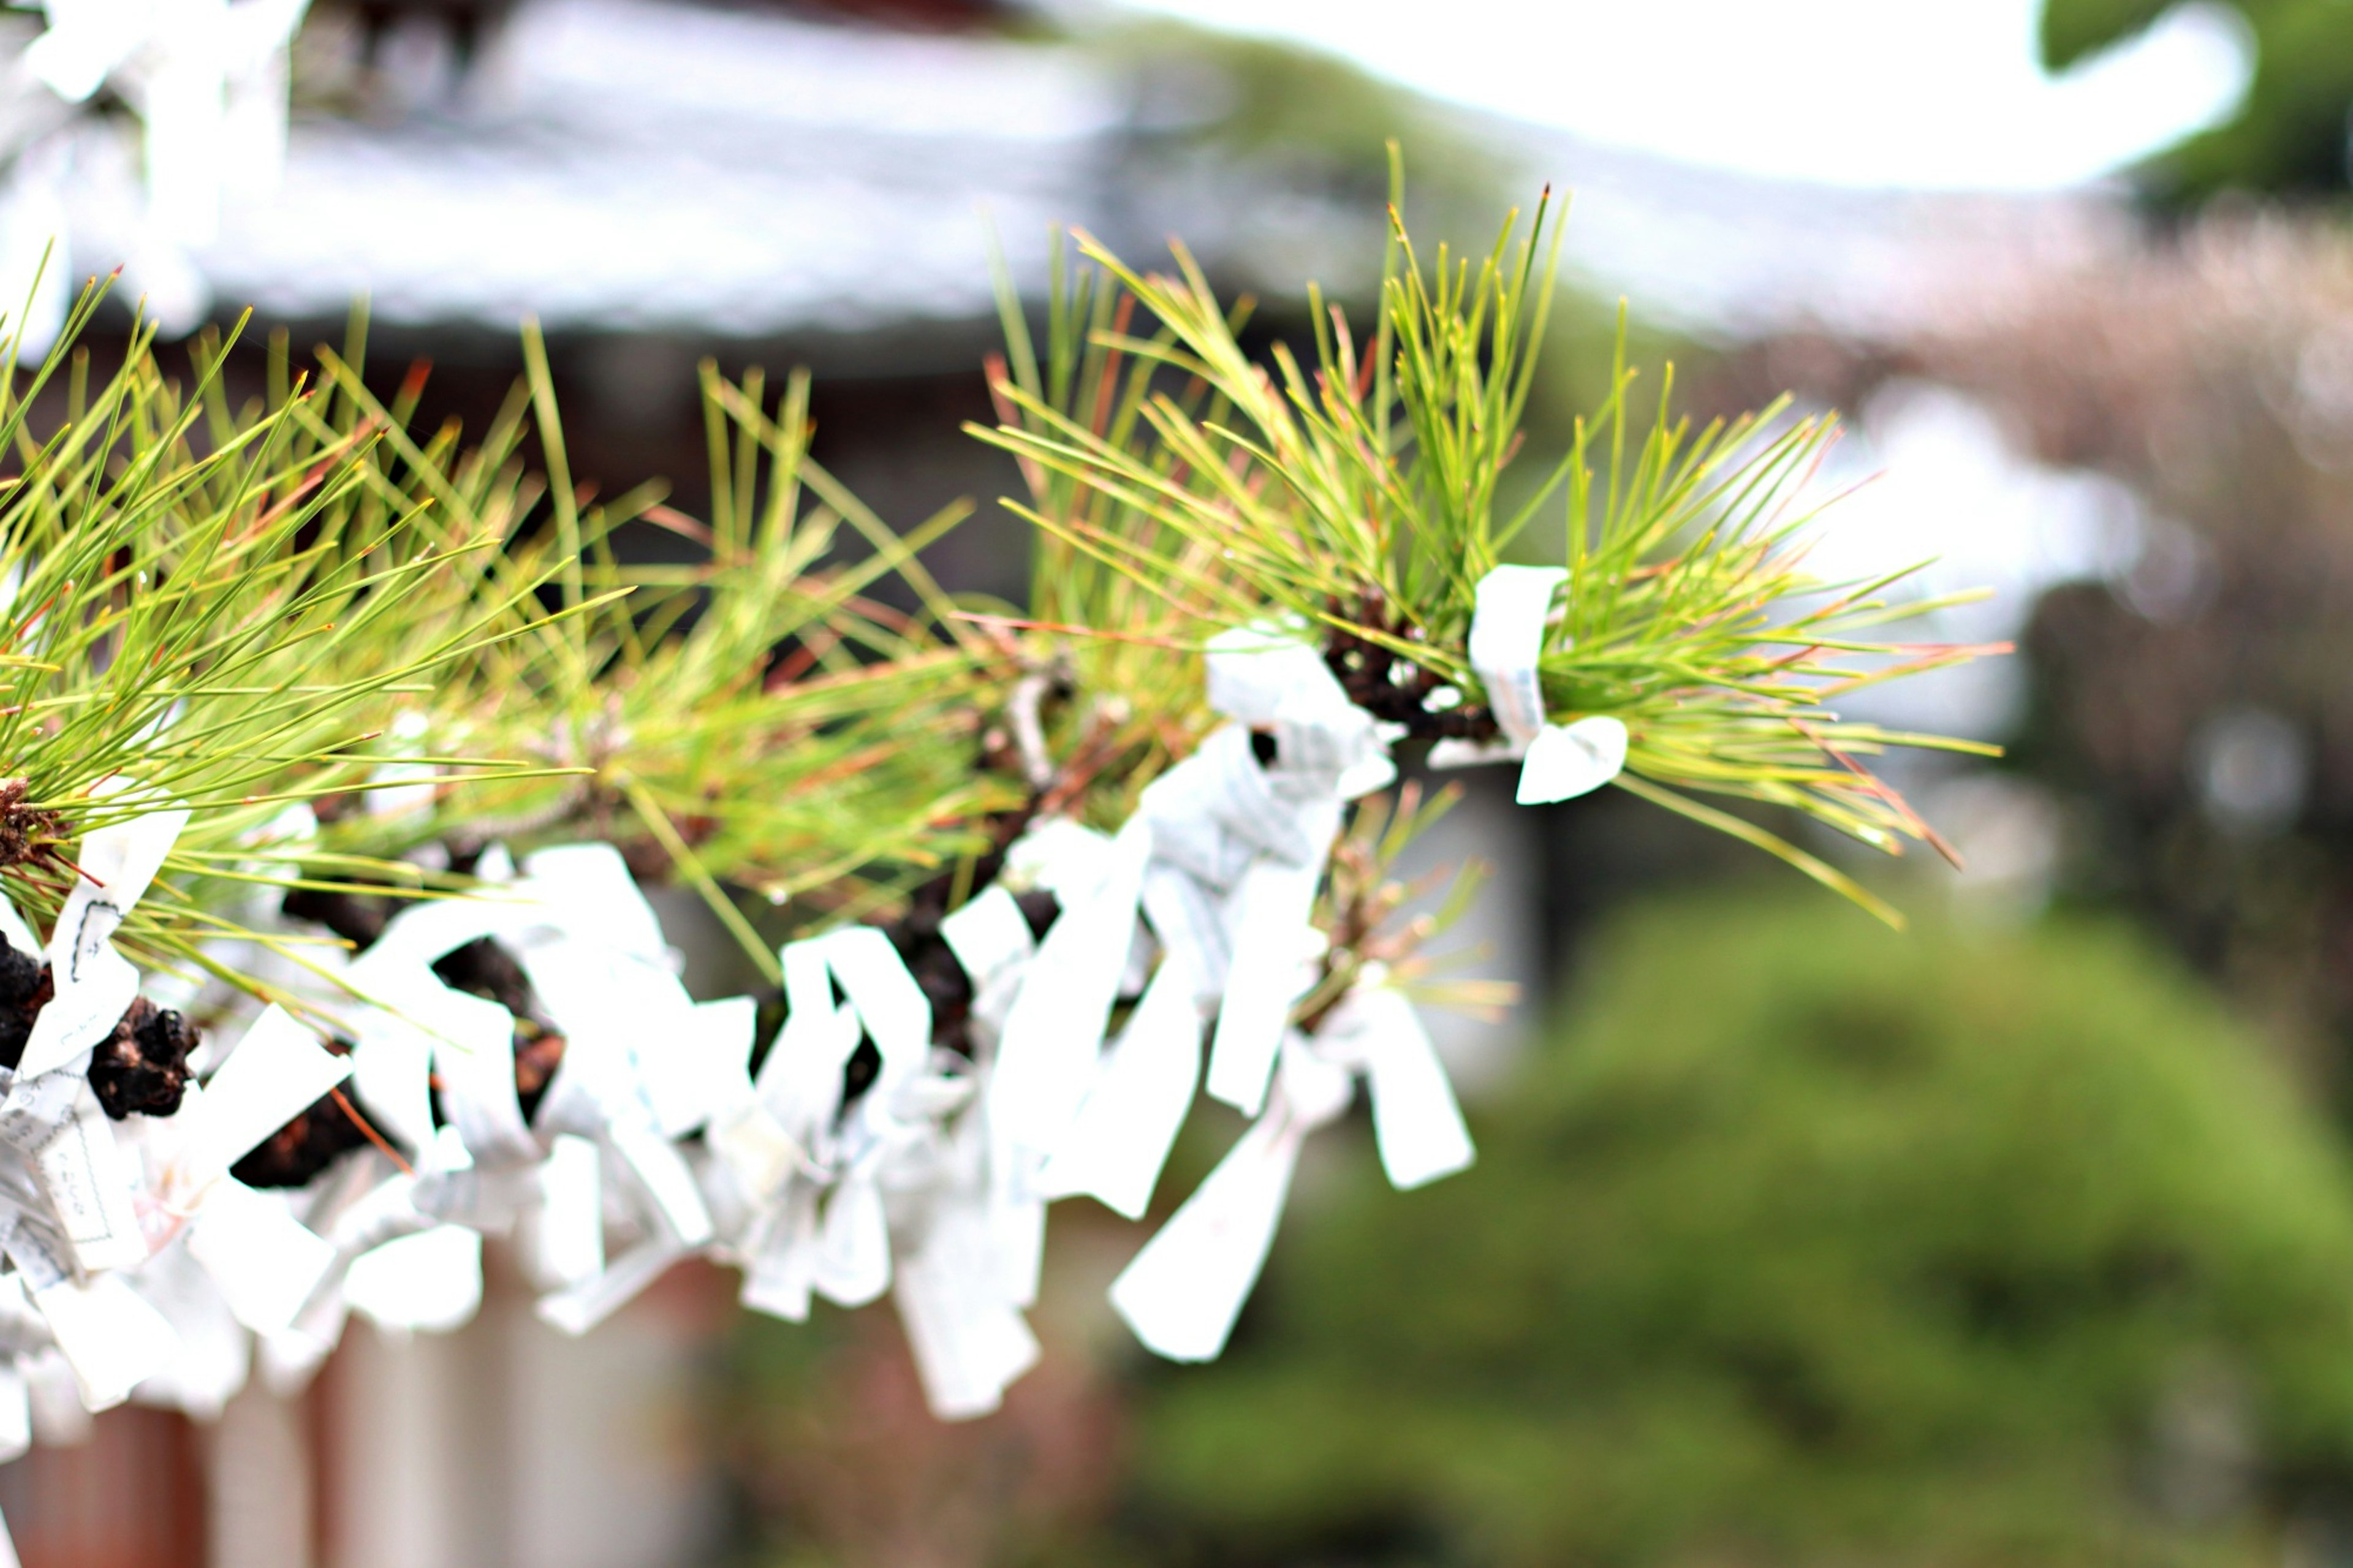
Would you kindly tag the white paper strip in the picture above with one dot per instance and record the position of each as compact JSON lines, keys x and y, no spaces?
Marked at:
{"x":892,"y":1006}
{"x":1566,"y":761}
{"x":95,"y":984}
{"x":667,"y":1180}
{"x":99,"y":985}
{"x":1271,"y":678}
{"x":1056,"y":855}
{"x":782,"y":1268}
{"x":1016,"y":1227}
{"x":15,"y":1413}
{"x":264,"y":1260}
{"x":566,"y":1231}
{"x":40,"y":1255}
{"x":1283,"y":812}
{"x":581,"y":1308}
{"x":430,"y":1282}
{"x":1505,"y":645}
{"x":396,"y":789}
{"x":87,"y":1176}
{"x":704,"y":1069}
{"x":588,"y":888}
{"x":1251,"y":672}
{"x":430,"y":929}
{"x":634,"y":1039}
{"x":1114,"y":1150}
{"x":215,"y":1353}
{"x":853,"y":1249}
{"x":385,"y":1211}
{"x":391,"y":1072}
{"x":801,"y":1083}
{"x":1269,"y":918}
{"x":60,"y":1420}
{"x":1055,"y":1029}
{"x":21,"y":1328}
{"x":13,"y":927}
{"x":1507,"y":626}
{"x":278,"y":1070}
{"x":111,"y":1339}
{"x":1416,"y":1122}
{"x":1187,"y":920}
{"x":473,"y":1055}
{"x":755,"y":1148}
{"x":969,"y":1343}
{"x":1211,"y":812}
{"x":989,"y":936}
{"x":1183,"y":1292}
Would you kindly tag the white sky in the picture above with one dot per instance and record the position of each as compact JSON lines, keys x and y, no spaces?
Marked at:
{"x":1925,"y":93}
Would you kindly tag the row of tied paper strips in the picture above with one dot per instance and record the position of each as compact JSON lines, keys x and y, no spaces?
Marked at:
{"x":141,"y":1267}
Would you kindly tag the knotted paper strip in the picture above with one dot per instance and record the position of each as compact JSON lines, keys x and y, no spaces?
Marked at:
{"x":430,"y":1282}
{"x":15,"y":1415}
{"x":54,"y":1123}
{"x":1506,"y":643}
{"x":1116,"y":1149}
{"x":1416,"y":1124}
{"x":1054,"y":1032}
{"x":264,"y":1261}
{"x":969,"y":1341}
{"x":95,"y":986}
{"x":1183,"y":1292}
{"x":111,"y":1337}
{"x":49,"y":1113}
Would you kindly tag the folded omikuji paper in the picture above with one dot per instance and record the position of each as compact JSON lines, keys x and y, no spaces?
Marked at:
{"x":1116,"y":1146}
{"x":15,"y":1416}
{"x":1558,"y":762}
{"x":53,"y":1121}
{"x":1046,"y":1052}
{"x":111,"y":1338}
{"x":48,"y":1117}
{"x":94,"y":983}
{"x":1183,"y":1292}
{"x":1417,"y":1125}
{"x":69,"y":1213}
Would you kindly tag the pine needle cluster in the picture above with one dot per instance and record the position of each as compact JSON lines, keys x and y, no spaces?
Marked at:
{"x":1364,"y":496}
{"x":205,"y":609}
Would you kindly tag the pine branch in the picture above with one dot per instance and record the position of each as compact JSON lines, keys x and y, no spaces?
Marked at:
{"x":1361,"y":496}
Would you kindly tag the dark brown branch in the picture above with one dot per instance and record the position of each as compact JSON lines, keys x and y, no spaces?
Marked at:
{"x":1395,"y":690}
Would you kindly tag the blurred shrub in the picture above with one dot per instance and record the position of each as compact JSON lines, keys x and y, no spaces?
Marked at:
{"x":2288,"y":136}
{"x":1810,"y":1243}
{"x":836,"y":1462}
{"x":2194,"y":716}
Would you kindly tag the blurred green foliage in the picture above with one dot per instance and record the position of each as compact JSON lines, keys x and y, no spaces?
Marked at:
{"x":1807,"y":1243}
{"x":2289,"y":135}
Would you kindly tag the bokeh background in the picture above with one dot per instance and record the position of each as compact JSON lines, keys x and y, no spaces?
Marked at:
{"x":2022,"y":1237}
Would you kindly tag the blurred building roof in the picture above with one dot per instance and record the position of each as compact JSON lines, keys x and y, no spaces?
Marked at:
{"x":1747,"y":255}
{"x":630,"y":164}
{"x":648,"y":165}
